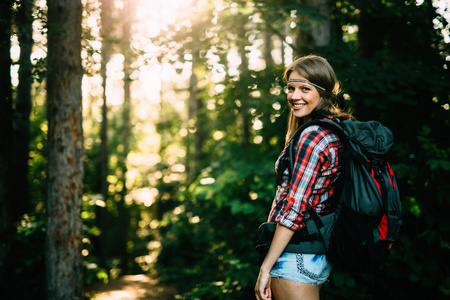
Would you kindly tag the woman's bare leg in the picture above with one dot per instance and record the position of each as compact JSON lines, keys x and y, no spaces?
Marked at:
{"x":284,"y":289}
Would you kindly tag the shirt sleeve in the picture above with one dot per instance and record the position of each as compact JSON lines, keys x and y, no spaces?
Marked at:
{"x":310,"y":159}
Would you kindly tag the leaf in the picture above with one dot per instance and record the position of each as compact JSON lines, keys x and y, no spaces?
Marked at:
{"x":426,"y":130}
{"x":396,"y":98}
{"x":444,"y":290}
{"x":445,"y":244}
{"x":414,"y":277}
{"x":439,"y":163}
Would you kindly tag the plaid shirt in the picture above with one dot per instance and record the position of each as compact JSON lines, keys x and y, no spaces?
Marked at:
{"x":316,"y":167}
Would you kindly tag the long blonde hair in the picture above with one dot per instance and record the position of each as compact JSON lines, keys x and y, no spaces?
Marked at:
{"x":317,"y":70}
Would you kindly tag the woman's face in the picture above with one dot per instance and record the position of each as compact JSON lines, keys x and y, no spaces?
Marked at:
{"x":302,"y":97}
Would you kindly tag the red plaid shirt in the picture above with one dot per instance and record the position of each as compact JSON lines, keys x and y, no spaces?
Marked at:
{"x":316,"y":168}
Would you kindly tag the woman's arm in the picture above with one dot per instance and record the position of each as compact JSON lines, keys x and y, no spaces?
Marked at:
{"x":309,"y":161}
{"x":280,"y":240}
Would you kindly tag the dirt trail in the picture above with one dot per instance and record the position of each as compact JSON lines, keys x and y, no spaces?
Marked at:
{"x":131,"y":287}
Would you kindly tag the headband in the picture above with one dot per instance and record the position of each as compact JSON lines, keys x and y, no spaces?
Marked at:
{"x":305,"y":81}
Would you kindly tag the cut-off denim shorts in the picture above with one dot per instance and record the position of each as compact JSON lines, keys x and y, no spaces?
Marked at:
{"x":302,"y":268}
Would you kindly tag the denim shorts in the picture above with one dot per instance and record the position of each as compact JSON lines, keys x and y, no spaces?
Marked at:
{"x":302,"y":268}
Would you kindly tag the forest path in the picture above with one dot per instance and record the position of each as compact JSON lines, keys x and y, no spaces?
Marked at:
{"x":131,"y":287}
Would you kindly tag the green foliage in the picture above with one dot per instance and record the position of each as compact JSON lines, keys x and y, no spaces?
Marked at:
{"x":26,"y":262}
{"x":93,"y":272}
{"x":208,"y":239}
{"x":200,"y":251}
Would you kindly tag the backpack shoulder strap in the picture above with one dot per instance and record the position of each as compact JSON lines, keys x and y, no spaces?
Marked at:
{"x":320,"y":121}
{"x":330,"y":125}
{"x":318,"y":228}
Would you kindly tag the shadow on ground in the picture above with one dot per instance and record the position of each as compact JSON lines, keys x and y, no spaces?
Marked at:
{"x":131,"y":287}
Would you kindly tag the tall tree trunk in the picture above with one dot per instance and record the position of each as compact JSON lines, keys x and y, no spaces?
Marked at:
{"x":200,"y":124}
{"x":21,"y":144}
{"x":128,"y":14}
{"x":5,"y":133}
{"x":268,"y":48}
{"x":283,"y":51}
{"x":102,"y":212}
{"x":195,"y":105}
{"x":243,"y":70}
{"x":65,"y":139}
{"x":319,"y":33}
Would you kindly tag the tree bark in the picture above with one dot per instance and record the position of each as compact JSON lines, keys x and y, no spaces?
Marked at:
{"x":21,"y":143}
{"x":65,"y":166}
{"x":195,"y":136}
{"x":5,"y":133}
{"x":124,"y":217}
{"x":268,"y":48}
{"x":102,"y":213}
{"x":243,"y":71}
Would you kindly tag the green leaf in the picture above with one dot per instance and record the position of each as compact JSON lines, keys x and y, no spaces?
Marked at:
{"x":426,"y":130}
{"x":439,"y":163}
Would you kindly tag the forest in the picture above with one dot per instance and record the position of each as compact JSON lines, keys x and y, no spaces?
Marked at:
{"x":140,"y":137}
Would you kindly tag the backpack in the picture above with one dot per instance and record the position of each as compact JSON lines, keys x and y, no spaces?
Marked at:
{"x":366,"y":208}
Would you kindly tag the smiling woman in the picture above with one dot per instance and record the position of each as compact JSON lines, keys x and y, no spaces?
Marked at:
{"x":311,"y":82}
{"x":303,"y":96}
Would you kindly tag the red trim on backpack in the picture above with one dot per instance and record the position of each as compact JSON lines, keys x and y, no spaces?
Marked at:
{"x":376,"y":182}
{"x":383,"y":227}
{"x":391,"y":174}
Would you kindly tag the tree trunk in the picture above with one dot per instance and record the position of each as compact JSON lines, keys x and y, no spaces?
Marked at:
{"x":243,"y":70}
{"x":102,"y":212}
{"x":5,"y":133}
{"x":268,"y":48}
{"x":65,"y":166}
{"x":124,"y":217}
{"x":21,"y":144}
{"x":194,"y":136}
{"x":283,"y":51}
{"x":189,"y":137}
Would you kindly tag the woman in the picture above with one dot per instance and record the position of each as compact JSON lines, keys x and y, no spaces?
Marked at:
{"x":311,"y":83}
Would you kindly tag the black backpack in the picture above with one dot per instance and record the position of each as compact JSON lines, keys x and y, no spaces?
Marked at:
{"x":366,"y":217}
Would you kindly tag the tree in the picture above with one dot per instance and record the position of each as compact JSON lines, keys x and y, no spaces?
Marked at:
{"x":124,"y":216}
{"x":102,"y":212}
{"x":65,"y":168}
{"x":194,"y":40}
{"x":268,"y":47}
{"x":5,"y":132}
{"x":22,"y":109}
{"x":242,"y":42}
{"x":195,"y":105}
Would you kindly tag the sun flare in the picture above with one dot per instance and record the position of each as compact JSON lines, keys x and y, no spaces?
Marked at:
{"x":155,"y":15}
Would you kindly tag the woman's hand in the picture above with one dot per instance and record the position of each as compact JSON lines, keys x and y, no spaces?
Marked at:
{"x":262,"y":287}
{"x":281,"y":238}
